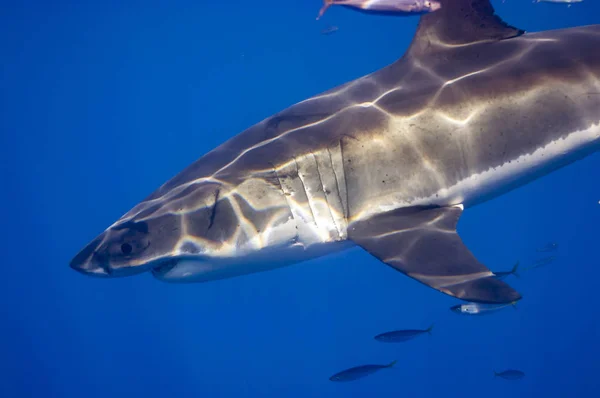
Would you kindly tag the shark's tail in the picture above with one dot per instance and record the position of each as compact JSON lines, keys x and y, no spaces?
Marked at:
{"x":389,"y":365}
{"x":326,"y":5}
{"x":428,"y":330}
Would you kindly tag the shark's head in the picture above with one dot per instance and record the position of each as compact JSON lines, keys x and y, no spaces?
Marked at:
{"x":198,"y":231}
{"x":159,"y":232}
{"x":128,"y":248}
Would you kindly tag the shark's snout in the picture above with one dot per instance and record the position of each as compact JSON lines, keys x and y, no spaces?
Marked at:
{"x":86,"y":261}
{"x":89,"y":268}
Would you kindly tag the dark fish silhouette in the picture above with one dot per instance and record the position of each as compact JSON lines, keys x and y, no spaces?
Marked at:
{"x":550,"y":247}
{"x":510,"y":374}
{"x":543,"y":261}
{"x":330,"y":30}
{"x":398,"y":336}
{"x":359,"y":372}
{"x":504,"y":274}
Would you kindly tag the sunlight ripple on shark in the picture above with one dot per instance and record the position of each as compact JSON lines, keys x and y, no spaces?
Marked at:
{"x":387,"y":162}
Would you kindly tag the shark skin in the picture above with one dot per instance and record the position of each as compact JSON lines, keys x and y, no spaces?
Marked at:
{"x":475,"y":108}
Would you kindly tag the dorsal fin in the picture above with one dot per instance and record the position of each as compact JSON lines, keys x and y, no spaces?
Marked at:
{"x":460,"y":22}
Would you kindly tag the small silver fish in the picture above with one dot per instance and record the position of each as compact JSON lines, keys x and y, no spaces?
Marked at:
{"x":479,"y":308}
{"x":359,"y":372}
{"x":510,"y":374}
{"x":569,"y":2}
{"x":543,"y":261}
{"x":398,"y":7}
{"x":398,"y":336}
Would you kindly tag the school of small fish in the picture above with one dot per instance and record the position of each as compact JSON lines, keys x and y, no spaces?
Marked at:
{"x":468,"y":309}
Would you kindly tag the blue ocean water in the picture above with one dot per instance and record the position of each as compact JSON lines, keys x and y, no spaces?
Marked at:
{"x":103,"y":101}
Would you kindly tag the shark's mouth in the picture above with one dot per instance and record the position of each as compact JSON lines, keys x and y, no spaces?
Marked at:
{"x":165,"y":266}
{"x":183,"y":269}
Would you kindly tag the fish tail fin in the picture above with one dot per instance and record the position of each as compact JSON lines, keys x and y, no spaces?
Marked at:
{"x":326,"y":5}
{"x":389,"y":365}
{"x":515,"y":270}
{"x":495,"y":374}
{"x":428,"y":330}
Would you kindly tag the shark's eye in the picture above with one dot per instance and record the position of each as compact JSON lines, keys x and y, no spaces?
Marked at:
{"x":126,"y":248}
{"x":128,"y":240}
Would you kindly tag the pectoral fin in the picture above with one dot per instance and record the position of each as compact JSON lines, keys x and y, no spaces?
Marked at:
{"x":423,"y":244}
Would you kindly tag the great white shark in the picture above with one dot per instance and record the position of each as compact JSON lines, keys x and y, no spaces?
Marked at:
{"x":388,"y":162}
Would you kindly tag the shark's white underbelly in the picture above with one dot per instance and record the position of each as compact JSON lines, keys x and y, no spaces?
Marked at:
{"x":516,"y":172}
{"x":191,"y":270}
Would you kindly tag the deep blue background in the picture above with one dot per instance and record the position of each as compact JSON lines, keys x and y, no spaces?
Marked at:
{"x":103,"y":101}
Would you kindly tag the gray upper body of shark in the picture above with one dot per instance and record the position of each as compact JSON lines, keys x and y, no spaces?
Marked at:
{"x":387,"y":162}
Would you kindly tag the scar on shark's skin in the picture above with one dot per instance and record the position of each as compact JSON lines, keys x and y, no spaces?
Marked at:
{"x":388,"y":162}
{"x":213,"y":211}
